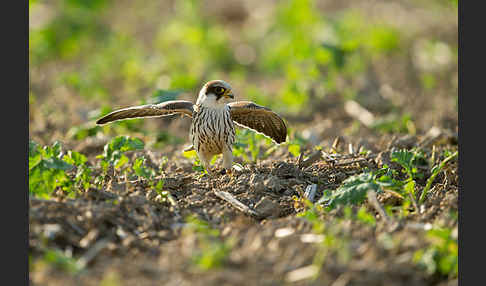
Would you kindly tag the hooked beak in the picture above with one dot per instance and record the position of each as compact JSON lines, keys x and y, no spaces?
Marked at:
{"x":228,"y":94}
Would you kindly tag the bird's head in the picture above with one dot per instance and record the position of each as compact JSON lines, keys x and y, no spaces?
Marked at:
{"x":215,"y":93}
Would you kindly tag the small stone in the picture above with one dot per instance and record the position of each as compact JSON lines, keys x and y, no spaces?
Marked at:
{"x":266,"y":207}
{"x":273,"y":183}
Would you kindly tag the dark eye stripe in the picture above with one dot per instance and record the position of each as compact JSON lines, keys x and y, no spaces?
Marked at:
{"x":217,"y":90}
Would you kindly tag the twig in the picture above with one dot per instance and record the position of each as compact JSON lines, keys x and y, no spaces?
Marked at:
{"x":79,"y":230}
{"x":302,"y":273}
{"x":314,"y":157}
{"x":301,"y":157}
{"x":234,"y":202}
{"x":358,"y":112}
{"x":350,"y":148}
{"x":92,"y":252}
{"x":335,"y":144}
{"x":37,"y":200}
{"x":393,"y":193}
{"x":392,"y":225}
{"x":356,"y":160}
{"x":414,"y":202}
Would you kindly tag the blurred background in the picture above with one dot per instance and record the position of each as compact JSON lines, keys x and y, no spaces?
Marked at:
{"x":349,"y":68}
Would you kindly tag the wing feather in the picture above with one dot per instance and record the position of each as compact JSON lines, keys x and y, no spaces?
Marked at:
{"x":259,"y":119}
{"x":150,"y":110}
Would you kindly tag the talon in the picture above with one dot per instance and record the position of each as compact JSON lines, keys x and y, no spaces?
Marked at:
{"x":189,"y":148}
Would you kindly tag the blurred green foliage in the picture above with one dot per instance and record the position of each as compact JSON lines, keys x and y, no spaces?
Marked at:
{"x":49,"y":167}
{"x":212,"y":250}
{"x":298,"y":45}
{"x":441,"y":255}
{"x":289,"y":57}
{"x":46,"y":170}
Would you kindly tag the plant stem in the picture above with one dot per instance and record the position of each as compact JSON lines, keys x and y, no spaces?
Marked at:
{"x":432,"y":177}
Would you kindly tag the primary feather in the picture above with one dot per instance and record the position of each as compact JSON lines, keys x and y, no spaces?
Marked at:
{"x":212,"y":129}
{"x":150,"y":110}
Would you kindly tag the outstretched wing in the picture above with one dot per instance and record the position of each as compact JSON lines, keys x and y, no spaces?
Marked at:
{"x":150,"y":110}
{"x":260,"y":119}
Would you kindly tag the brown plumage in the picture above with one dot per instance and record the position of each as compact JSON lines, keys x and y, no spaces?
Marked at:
{"x":260,"y":119}
{"x":149,"y":110}
{"x":212,"y":129}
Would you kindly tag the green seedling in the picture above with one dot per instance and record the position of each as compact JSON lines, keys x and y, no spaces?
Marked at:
{"x":441,"y":256}
{"x":352,"y":191}
{"x":435,"y":171}
{"x":113,"y":151}
{"x":212,"y":250}
{"x":62,"y":261}
{"x":141,"y":170}
{"x":196,"y":165}
{"x":333,"y":240}
{"x":251,"y":141}
{"x":83,"y":173}
{"x":395,"y":124}
{"x":47,"y":170}
{"x":408,"y":160}
{"x":364,"y":216}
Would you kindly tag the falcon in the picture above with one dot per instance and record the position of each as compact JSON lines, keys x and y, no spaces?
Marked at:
{"x":212,"y":130}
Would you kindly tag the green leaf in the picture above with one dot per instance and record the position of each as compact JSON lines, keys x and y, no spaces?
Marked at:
{"x":114,"y":149}
{"x":55,"y":163}
{"x":410,"y":188}
{"x":366,"y":217}
{"x":34,"y":160}
{"x":352,"y":191}
{"x":294,"y":149}
{"x":190,"y":154}
{"x":75,"y":158}
{"x":33,"y":148}
{"x":403,"y":157}
{"x":140,"y":169}
{"x":121,"y":161}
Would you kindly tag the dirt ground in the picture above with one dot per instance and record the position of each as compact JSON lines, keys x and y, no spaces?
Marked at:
{"x":141,"y":241}
{"x":125,"y":234}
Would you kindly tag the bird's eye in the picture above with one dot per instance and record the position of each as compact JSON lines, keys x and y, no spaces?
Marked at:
{"x":219,"y":90}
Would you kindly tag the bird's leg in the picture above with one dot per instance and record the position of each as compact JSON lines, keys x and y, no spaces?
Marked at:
{"x":228,"y":160}
{"x":205,"y":160}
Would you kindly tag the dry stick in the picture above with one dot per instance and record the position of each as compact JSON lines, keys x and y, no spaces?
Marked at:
{"x":351,"y":162}
{"x":414,"y":202}
{"x":301,"y":157}
{"x":376,"y":204}
{"x":316,"y":156}
{"x":92,"y":252}
{"x":350,"y":148}
{"x":356,"y":160}
{"x":79,"y":230}
{"x":335,"y":144}
{"x":358,"y":112}
{"x":234,"y":202}
{"x":38,"y":200}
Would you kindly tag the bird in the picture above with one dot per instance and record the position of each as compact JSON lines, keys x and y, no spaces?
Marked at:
{"x":214,"y":116}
